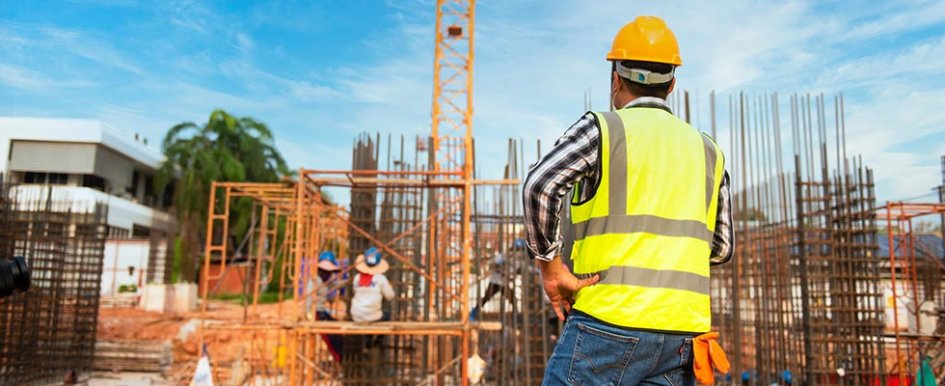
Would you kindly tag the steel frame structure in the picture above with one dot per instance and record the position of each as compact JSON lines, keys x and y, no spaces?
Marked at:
{"x":50,"y":330}
{"x":919,"y":275}
{"x":453,"y":59}
{"x":307,"y":220}
{"x":802,"y":294}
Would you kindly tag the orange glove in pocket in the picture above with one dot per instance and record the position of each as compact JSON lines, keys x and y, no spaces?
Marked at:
{"x":708,"y":354}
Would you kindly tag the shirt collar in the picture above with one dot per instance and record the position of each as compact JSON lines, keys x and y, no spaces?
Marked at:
{"x":649,"y":101}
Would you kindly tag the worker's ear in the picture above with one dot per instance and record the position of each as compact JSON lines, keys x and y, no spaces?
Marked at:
{"x":615,"y":83}
{"x":672,"y":86}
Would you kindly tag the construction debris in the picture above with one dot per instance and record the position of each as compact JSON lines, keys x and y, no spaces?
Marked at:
{"x":132,"y":356}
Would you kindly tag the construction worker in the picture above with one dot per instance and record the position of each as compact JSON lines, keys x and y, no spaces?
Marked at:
{"x":650,"y":211}
{"x":371,"y":287}
{"x":328,"y":268}
{"x":499,"y":280}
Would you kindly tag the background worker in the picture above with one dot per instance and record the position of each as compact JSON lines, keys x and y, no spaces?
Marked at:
{"x":328,"y":268}
{"x":497,"y":284}
{"x":371,"y":287}
{"x":499,"y":279}
{"x":649,"y":213}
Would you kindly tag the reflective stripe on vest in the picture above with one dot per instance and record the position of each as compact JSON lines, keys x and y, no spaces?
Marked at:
{"x":652,"y":253}
{"x":645,"y":277}
{"x":620,"y":223}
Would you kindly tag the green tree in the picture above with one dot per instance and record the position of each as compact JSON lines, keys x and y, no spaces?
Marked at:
{"x":225,"y":148}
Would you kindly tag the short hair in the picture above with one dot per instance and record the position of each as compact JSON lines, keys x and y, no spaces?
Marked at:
{"x":641,"y":90}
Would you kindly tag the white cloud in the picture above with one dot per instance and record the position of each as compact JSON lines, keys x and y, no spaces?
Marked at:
{"x":313,"y":154}
{"x":911,"y":65}
{"x":199,"y":64}
{"x":244,"y":42}
{"x":188,"y":14}
{"x":88,"y":47}
{"x":27,"y":79}
{"x":267,"y":83}
{"x":9,"y":41}
{"x":23,"y":78}
{"x":892,"y":19}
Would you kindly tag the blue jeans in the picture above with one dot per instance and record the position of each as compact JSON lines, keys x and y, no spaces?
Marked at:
{"x":591,"y":353}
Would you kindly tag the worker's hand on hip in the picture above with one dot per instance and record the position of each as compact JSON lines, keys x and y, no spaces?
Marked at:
{"x":561,"y":285}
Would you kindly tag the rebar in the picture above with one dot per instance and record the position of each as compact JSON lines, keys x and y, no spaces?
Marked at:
{"x":803,"y":292}
{"x":50,"y":329}
{"x":416,"y":216}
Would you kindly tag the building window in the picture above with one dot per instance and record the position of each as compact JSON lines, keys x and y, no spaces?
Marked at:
{"x":45,"y":178}
{"x":118,"y":233}
{"x":167,"y":197}
{"x":94,"y":182}
{"x":138,"y":231}
{"x":57,"y":179}
{"x":134,"y":184}
{"x":150,"y":199}
{"x":34,"y":178}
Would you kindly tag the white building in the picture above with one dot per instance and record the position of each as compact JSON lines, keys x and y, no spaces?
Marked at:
{"x":86,"y":160}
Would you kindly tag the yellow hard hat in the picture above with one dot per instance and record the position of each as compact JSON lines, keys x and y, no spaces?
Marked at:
{"x":646,"y":39}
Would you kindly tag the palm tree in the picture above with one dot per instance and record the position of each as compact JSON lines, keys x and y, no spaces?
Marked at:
{"x":225,"y":148}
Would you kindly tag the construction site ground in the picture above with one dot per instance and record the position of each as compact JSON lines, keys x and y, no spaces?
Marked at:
{"x":225,"y":347}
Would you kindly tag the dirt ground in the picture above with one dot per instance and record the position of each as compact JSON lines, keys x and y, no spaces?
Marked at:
{"x":229,"y":349}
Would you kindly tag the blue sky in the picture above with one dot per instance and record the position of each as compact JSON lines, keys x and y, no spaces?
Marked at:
{"x":320,"y":72}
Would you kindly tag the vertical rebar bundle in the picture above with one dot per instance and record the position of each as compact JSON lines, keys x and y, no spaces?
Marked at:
{"x":50,"y":330}
{"x":803,"y":294}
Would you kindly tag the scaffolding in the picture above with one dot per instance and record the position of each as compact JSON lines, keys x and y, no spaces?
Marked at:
{"x":915,"y":283}
{"x":441,"y":230}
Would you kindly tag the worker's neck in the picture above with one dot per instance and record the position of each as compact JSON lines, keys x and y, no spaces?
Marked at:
{"x":632,"y":100}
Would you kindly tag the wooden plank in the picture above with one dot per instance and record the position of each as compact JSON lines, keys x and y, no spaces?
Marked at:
{"x":131,"y":356}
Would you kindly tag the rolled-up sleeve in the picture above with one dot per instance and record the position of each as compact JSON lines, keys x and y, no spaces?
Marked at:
{"x":723,"y":242}
{"x":573,"y":156}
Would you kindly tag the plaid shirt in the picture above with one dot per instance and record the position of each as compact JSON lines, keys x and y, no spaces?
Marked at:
{"x":574,"y":158}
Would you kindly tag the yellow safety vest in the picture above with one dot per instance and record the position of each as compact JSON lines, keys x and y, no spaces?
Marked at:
{"x":648,"y":228}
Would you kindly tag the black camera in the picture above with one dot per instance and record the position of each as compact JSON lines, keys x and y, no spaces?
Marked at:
{"x":14,"y":276}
